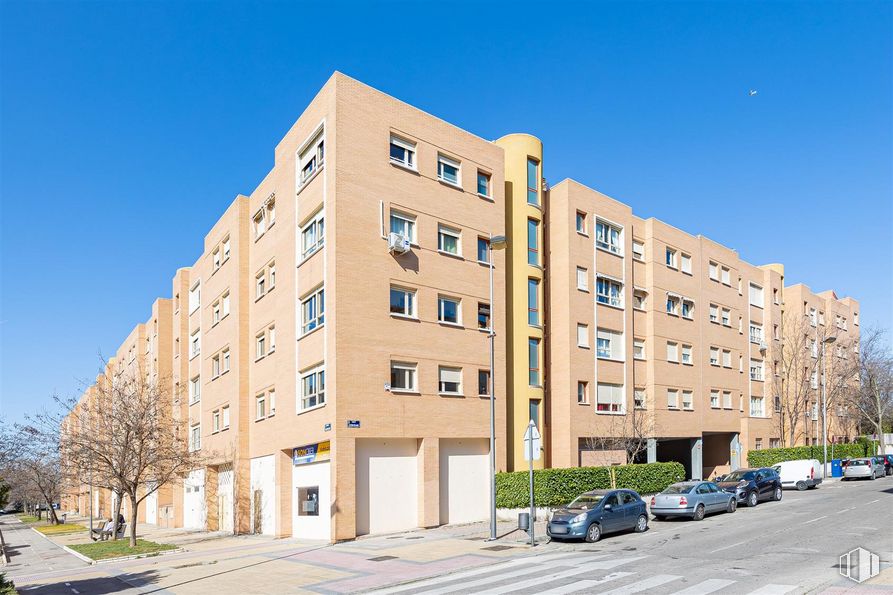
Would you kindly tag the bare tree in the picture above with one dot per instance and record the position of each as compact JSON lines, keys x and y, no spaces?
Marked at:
{"x":875,"y":398}
{"x":628,"y":433}
{"x":796,"y":377}
{"x":36,"y":467}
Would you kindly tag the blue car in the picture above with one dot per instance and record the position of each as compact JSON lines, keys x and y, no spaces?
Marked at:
{"x":598,"y":512}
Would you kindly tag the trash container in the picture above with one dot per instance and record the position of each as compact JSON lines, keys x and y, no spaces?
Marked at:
{"x":524,"y":521}
{"x":836,"y":468}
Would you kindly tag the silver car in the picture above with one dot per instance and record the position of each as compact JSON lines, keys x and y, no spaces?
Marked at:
{"x":864,"y":468}
{"x":692,"y":499}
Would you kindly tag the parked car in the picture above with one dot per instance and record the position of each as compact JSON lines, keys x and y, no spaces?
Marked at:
{"x":801,"y":474}
{"x":864,"y":468}
{"x":595,"y":513}
{"x":750,"y":486}
{"x":888,"y":463}
{"x":693,"y":499}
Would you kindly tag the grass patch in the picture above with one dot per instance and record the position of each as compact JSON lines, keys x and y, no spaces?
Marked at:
{"x":61,"y":529}
{"x":27,"y":518}
{"x":102,"y":550}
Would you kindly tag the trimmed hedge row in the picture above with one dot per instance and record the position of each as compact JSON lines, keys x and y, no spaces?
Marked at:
{"x":771,"y":456}
{"x":557,"y":487}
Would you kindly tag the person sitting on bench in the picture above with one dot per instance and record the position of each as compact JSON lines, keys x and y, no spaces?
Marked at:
{"x":104,"y":533}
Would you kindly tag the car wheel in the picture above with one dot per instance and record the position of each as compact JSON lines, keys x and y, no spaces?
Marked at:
{"x":593,"y":533}
{"x":801,"y":485}
{"x":733,"y":505}
{"x":776,"y":495}
{"x":752,"y":499}
{"x":699,"y":513}
{"x":642,"y":524}
{"x":873,"y":476}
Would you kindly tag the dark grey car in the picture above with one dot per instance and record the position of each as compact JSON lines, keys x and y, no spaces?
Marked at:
{"x":594,"y":513}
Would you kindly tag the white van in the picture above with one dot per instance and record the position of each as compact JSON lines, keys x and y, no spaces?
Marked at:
{"x":801,"y":474}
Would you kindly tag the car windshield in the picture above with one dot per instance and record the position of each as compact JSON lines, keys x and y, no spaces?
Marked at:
{"x":586,"y":501}
{"x":679,"y":488}
{"x":739,"y":475}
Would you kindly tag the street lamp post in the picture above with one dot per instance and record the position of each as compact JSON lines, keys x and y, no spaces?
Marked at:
{"x":496,"y":243}
{"x":826,"y":341}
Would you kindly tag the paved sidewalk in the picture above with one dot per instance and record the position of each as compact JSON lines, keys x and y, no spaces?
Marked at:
{"x":30,"y":552}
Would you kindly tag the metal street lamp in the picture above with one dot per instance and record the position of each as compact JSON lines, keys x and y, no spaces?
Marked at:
{"x":826,"y":341}
{"x":496,"y":243}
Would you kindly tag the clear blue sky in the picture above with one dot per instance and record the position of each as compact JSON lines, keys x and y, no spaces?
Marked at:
{"x":128,"y":127}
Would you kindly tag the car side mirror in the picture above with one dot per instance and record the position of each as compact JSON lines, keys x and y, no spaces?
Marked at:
{"x":607,"y":507}
{"x":759,"y":478}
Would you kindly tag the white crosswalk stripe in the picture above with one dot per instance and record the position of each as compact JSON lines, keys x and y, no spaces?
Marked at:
{"x":772,"y":589}
{"x":708,"y":586}
{"x":542,"y":580}
{"x":587,"y":584}
{"x":644,"y":584}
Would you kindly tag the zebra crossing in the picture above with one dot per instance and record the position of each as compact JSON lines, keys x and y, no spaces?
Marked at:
{"x":563,"y":573}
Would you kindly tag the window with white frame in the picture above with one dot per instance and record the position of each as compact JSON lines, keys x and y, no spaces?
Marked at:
{"x":312,"y":158}
{"x":449,"y":240}
{"x":672,"y":398}
{"x":313,"y":311}
{"x":714,"y":356}
{"x":404,"y":225}
{"x":713,"y":271}
{"x":403,"y":152}
{"x":260,"y":285}
{"x":403,"y":377}
{"x":582,"y":279}
{"x":270,"y":207}
{"x":609,"y":291}
{"x":714,"y":399}
{"x":756,"y":370}
{"x":581,"y":223}
{"x":609,"y":398}
{"x":483,"y":250}
{"x":224,"y":417}
{"x":688,"y":308}
{"x":726,"y":399}
{"x":215,"y":421}
{"x":226,"y":361}
{"x":638,"y":250}
{"x":640,"y":299}
{"x":756,"y":332}
{"x":672,"y":352}
{"x":271,"y":402}
{"x":756,"y":407}
{"x":639,"y":398}
{"x":814,"y":379}
{"x":484,"y":184}
{"x":215,"y":366}
{"x":582,"y":335}
{"x":726,"y":317}
{"x":195,"y":437}
{"x":814,"y":348}
{"x":449,"y":380}
{"x":608,"y":237}
{"x":260,"y":223}
{"x":756,"y":295}
{"x":313,"y":389}
{"x":639,"y":349}
{"x":195,"y":390}
{"x":260,"y":346}
{"x":195,"y":343}
{"x":449,"y":310}
{"x":215,"y":313}
{"x":822,"y":317}
{"x":448,"y":170}
{"x":582,"y":392}
{"x":226,"y":246}
{"x":609,"y":344}
{"x":714,"y":313}
{"x":672,"y":259}
{"x":260,"y":406}
{"x":195,"y":297}
{"x":673,"y":304}
{"x":224,"y":305}
{"x":687,"y":357}
{"x":216,"y":259}
{"x":688,"y":402}
{"x":685,"y":260}
{"x":403,"y":302}
{"x":813,"y":317}
{"x":313,"y":234}
{"x":726,"y":276}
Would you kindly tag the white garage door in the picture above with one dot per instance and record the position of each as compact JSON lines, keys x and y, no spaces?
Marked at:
{"x":311,"y":501}
{"x":152,"y":505}
{"x":263,"y":495}
{"x":194,"y":500}
{"x":464,"y":486}
{"x":387,"y":485}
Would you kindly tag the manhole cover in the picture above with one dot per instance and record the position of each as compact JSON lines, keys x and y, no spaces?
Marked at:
{"x":382,"y":558}
{"x":497,"y":548}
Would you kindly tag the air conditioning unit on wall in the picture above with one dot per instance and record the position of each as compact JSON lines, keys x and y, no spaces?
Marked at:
{"x":398,"y":244}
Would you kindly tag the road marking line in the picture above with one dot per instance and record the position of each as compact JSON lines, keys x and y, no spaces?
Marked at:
{"x":75,"y":591}
{"x":708,"y":586}
{"x":644,"y":585}
{"x":816,"y":519}
{"x":586,"y":584}
{"x":542,"y":580}
{"x":464,"y":587}
{"x":771,"y":589}
{"x":729,"y":546}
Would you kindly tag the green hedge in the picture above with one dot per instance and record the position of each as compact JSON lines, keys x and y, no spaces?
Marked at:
{"x":6,"y":586}
{"x":771,"y":456}
{"x":556,"y":487}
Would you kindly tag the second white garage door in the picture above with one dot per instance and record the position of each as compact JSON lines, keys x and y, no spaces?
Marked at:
{"x":464,"y":489}
{"x":387,"y":485}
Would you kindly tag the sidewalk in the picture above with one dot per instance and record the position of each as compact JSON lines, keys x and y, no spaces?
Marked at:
{"x":30,"y":552}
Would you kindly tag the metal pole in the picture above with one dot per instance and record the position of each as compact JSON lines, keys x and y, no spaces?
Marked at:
{"x":91,"y":501}
{"x":532,"y":507}
{"x":492,"y":335}
{"x":824,"y":418}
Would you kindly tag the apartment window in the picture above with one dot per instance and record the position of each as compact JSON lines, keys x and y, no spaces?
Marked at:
{"x":714,"y":356}
{"x":775,"y":296}
{"x":195,"y":437}
{"x":714,"y":399}
{"x":687,"y":355}
{"x":404,"y":225}
{"x":756,"y":332}
{"x":639,"y":348}
{"x":224,"y":303}
{"x":448,"y":310}
{"x":756,"y":370}
{"x":260,"y":285}
{"x":777,"y":402}
{"x":195,"y":343}
{"x":215,"y":422}
{"x":672,"y":352}
{"x":688,"y":308}
{"x":215,"y":257}
{"x":726,"y":317}
{"x":814,"y":348}
{"x":403,"y":152}
{"x":226,"y":361}
{"x":403,"y":377}
{"x":686,"y":263}
{"x":687,"y":400}
{"x":195,"y":390}
{"x":260,"y":224}
{"x":713,"y":269}
{"x":756,"y":407}
{"x":671,"y":259}
{"x":775,"y":334}
{"x":609,"y":344}
{"x":533,"y":410}
{"x":581,"y":223}
{"x":640,"y":299}
{"x":260,"y":406}
{"x":672,"y":398}
{"x":638,"y":250}
{"x":822,"y":318}
{"x":403,"y":302}
{"x":855,"y":319}
{"x":607,"y":237}
{"x":484,"y":383}
{"x":449,"y":240}
{"x":313,"y":234}
{"x":215,"y":313}
{"x":582,"y":392}
{"x":726,"y":399}
{"x":533,"y":255}
{"x":226,"y":248}
{"x":741,"y":363}
{"x":533,"y":362}
{"x":672,"y":305}
{"x":215,"y":366}
{"x":609,"y":291}
{"x":583,"y":335}
{"x":448,"y":170}
{"x":639,"y":398}
{"x":532,"y":182}
{"x":582,"y":279}
{"x":260,"y":346}
{"x":774,"y":442}
{"x":312,"y":157}
{"x":484,"y":184}
{"x":271,"y":339}
{"x":609,"y":398}
{"x":483,"y":316}
{"x":483,"y":250}
{"x":449,"y":380}
{"x":313,"y":311}
{"x":533,"y":310}
{"x":726,"y":276}
{"x":714,"y":313}
{"x":313,"y":388}
{"x":195,"y":297}
{"x":756,"y":295}
{"x":224,"y":414}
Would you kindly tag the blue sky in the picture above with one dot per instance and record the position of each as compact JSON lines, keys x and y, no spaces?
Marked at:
{"x":127,"y":127}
